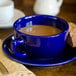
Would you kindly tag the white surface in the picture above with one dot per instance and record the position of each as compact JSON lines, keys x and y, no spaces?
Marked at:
{"x":49,"y":7}
{"x":6,"y":11}
{"x":17,"y":14}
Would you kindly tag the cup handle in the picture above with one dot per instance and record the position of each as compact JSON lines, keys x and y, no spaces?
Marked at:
{"x":59,"y":2}
{"x":16,"y":43}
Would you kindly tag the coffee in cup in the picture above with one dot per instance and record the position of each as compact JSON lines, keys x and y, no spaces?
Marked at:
{"x":40,"y":30}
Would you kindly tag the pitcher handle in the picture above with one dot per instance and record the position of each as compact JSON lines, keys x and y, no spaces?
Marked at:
{"x":59,"y":2}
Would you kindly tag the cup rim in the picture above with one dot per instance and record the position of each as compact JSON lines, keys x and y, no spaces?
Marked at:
{"x":66,"y":30}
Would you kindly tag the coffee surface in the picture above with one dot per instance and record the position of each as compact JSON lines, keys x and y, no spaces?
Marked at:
{"x":40,"y":30}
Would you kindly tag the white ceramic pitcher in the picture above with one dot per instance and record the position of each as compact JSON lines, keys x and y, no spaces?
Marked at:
{"x":3,"y":1}
{"x":49,"y":7}
{"x":6,"y":11}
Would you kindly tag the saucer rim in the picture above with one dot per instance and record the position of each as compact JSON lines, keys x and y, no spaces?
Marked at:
{"x":6,"y":24}
{"x":34,"y":64}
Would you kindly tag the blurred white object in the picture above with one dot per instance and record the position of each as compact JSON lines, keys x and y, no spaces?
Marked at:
{"x":49,"y":7}
{"x":17,"y":14}
{"x":6,"y":10}
{"x":3,"y":1}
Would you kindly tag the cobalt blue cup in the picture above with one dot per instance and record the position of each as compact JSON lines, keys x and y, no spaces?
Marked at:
{"x":39,"y":46}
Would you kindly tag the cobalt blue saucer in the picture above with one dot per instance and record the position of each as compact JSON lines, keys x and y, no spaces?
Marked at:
{"x":68,"y":55}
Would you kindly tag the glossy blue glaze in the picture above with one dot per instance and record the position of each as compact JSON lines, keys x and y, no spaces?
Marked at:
{"x":42,"y":46}
{"x":68,"y":55}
